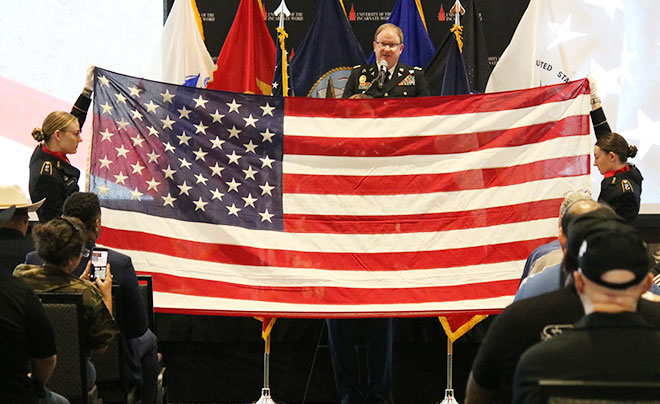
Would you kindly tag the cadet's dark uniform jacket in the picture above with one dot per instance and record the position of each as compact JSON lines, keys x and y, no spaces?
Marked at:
{"x":406,"y":81}
{"x":101,"y":328}
{"x":52,"y":178}
{"x":623,"y":191}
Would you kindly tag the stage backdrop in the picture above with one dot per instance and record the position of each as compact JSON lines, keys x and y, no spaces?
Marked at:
{"x":499,"y":18}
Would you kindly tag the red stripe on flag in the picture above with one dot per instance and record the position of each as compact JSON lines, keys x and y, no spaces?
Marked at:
{"x":329,"y":295}
{"x":250,"y":256}
{"x":424,"y":106}
{"x":430,"y":145}
{"x":423,"y":222}
{"x":430,"y":183}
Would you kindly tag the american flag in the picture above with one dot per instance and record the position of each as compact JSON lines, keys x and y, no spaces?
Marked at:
{"x":257,"y":205}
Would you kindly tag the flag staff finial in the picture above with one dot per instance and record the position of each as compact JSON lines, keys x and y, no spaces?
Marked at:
{"x":458,"y":10}
{"x":281,"y":11}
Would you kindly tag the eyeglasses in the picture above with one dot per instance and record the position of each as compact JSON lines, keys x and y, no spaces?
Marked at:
{"x":384,"y":45}
{"x":74,"y":131}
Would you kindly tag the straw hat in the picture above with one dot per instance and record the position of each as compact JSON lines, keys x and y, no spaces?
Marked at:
{"x":12,"y":195}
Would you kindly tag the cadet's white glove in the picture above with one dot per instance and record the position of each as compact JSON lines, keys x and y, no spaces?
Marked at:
{"x":89,"y":81}
{"x":595,"y":99}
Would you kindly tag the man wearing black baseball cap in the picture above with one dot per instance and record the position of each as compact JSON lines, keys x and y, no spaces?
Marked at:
{"x":611,"y":342}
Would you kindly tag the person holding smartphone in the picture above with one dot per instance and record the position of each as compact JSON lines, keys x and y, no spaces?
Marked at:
{"x":142,"y":344}
{"x":59,"y":244}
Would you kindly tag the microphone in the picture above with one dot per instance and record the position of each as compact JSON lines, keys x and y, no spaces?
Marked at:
{"x":382,"y":70}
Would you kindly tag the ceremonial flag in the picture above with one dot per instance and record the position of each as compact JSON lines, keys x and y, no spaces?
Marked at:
{"x":182,"y":57}
{"x":310,"y":207}
{"x":473,"y":53}
{"x":455,"y":80}
{"x":278,"y":77}
{"x":417,"y":46}
{"x":561,"y":40}
{"x":326,"y":54}
{"x":614,"y":41}
{"x":247,"y":60}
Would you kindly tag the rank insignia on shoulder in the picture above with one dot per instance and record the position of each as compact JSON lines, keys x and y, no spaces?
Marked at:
{"x":417,"y":68}
{"x":626,"y":186}
{"x":47,"y":168}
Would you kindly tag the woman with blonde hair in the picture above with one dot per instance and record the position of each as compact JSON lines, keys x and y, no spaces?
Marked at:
{"x":51,"y":174}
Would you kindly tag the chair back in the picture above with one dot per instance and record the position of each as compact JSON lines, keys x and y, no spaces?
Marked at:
{"x":66,"y":314}
{"x":110,"y":365}
{"x":598,"y":392}
{"x":147,"y":291}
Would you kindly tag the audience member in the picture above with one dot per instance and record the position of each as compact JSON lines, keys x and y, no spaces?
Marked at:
{"x":554,"y":277}
{"x":547,"y":255}
{"x":611,"y":342}
{"x":528,"y":321}
{"x":26,"y":337}
{"x":142,"y":364}
{"x":59,"y":244}
{"x":51,"y":174}
{"x":621,"y":186}
{"x":14,"y":243}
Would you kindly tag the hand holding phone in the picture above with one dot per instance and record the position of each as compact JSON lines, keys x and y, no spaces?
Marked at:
{"x":99,"y":263}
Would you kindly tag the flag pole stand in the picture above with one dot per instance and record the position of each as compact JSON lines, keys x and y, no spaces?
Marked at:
{"x":449,"y":391}
{"x":265,"y":391}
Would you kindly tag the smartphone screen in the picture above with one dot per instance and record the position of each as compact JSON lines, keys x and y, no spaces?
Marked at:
{"x":99,"y":262}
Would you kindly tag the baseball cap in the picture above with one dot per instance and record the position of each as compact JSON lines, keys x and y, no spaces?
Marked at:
{"x":577,"y":227}
{"x":609,"y":245}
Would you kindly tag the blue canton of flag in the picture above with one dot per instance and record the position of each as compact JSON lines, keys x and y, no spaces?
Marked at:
{"x":187,"y":153}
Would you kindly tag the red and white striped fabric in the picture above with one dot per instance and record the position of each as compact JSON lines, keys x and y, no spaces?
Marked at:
{"x":391,"y":207}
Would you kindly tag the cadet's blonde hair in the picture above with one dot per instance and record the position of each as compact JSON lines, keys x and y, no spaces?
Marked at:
{"x":56,"y":120}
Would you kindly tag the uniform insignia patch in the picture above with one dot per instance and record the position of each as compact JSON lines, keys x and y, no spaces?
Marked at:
{"x":363,"y":82}
{"x":408,"y":81}
{"x":47,"y":168}
{"x":626,"y":186}
{"x":552,"y":330}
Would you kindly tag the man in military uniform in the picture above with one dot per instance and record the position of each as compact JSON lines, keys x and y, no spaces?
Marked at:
{"x":398,"y":80}
{"x":384,"y":79}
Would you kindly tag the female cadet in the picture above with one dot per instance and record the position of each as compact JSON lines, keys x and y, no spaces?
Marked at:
{"x":51,"y":174}
{"x":621,"y":186}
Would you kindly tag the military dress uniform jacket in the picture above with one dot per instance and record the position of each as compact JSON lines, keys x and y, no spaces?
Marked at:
{"x":101,"y":327}
{"x":52,"y":178}
{"x":406,"y":81}
{"x":623,"y":192}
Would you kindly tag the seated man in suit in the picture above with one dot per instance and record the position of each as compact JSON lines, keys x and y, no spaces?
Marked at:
{"x":141,"y":342}
{"x":611,"y":342}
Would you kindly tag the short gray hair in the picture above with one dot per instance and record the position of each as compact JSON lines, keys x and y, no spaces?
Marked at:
{"x":573,"y":196}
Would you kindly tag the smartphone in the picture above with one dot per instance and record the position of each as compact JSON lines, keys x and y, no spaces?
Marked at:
{"x":99,"y":262}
